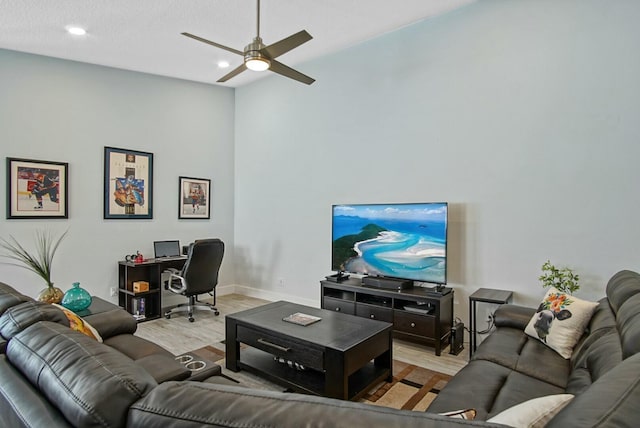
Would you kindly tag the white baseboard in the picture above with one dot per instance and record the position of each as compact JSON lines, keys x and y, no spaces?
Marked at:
{"x":269,"y":295}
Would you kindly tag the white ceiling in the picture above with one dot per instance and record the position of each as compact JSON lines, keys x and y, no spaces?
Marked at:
{"x":144,"y":35}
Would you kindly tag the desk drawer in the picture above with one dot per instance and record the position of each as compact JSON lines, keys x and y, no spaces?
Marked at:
{"x":282,"y":346}
{"x":338,"y":305}
{"x":421,"y":325}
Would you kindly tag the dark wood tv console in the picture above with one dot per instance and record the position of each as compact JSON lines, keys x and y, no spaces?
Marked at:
{"x":417,"y":313}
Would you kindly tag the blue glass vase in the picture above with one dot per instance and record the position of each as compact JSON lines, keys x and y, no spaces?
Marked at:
{"x":76,"y":299}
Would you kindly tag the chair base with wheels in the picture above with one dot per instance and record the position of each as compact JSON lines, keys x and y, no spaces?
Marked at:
{"x":194,"y":305}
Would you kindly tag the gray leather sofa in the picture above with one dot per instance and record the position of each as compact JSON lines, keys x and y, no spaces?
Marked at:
{"x":603,"y":373}
{"x":114,"y":325}
{"x":55,"y":377}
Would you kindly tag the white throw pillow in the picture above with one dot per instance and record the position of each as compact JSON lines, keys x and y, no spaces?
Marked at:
{"x":533,"y":413}
{"x":560,"y":321}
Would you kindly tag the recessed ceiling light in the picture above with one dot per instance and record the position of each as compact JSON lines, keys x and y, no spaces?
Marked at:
{"x":223,"y":64}
{"x":76,"y":31}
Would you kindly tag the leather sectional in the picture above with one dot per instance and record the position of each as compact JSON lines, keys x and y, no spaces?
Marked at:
{"x":53,"y":376}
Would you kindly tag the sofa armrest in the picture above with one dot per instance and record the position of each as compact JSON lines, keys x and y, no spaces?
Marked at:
{"x":163,"y":368}
{"x":513,"y":316}
{"x":112,"y":323}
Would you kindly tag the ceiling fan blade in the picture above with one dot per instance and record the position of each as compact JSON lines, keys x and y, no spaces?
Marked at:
{"x":276,"y":49}
{"x":233,"y":73}
{"x":209,"y":42}
{"x":280,"y":68}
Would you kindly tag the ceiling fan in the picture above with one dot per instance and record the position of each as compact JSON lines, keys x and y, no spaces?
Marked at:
{"x":259,"y":57}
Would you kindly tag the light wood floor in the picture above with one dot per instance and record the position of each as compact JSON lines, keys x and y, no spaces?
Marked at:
{"x":178,"y":335}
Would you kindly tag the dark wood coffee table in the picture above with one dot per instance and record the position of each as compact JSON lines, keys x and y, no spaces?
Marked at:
{"x":342,"y":355}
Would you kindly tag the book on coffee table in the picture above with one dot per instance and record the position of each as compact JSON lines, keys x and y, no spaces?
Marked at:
{"x":301,"y":319}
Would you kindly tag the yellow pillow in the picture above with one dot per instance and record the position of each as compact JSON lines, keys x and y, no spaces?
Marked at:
{"x":78,"y":324}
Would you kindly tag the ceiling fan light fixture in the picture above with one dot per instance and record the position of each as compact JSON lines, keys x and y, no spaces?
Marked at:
{"x":257,"y":64}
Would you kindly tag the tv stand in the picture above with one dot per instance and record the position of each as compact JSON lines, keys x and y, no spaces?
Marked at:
{"x":418,"y":314}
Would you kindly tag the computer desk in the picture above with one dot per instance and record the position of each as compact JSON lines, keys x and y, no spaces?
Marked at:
{"x":150,"y":270}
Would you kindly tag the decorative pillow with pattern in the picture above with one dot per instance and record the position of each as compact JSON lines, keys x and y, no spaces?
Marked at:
{"x":79,"y":324}
{"x":560,"y":321}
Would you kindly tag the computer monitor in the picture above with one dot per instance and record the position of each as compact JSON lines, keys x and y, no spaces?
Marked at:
{"x":166,"y":248}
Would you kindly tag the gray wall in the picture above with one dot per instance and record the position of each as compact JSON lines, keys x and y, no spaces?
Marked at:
{"x":523,"y":115}
{"x":68,"y":112}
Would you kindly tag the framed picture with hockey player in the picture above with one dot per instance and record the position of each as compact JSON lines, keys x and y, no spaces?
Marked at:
{"x":195,"y":198}
{"x":128,"y":184}
{"x":37,"y":189}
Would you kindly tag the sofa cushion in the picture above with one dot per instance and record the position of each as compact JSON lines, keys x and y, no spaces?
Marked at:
{"x":595,"y":360}
{"x":628,"y":321}
{"x":90,"y":383}
{"x":475,"y":386}
{"x":603,"y":317}
{"x":621,"y":287}
{"x":518,"y":388}
{"x":503,"y":347}
{"x":560,"y":321}
{"x":19,"y":317}
{"x":513,"y":349}
{"x":10,"y":297}
{"x":535,"y":413}
{"x":612,"y":400}
{"x":163,"y":368}
{"x":21,"y":405}
{"x":136,"y":347}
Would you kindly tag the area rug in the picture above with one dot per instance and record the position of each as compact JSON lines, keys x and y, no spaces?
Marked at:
{"x":412,"y":388}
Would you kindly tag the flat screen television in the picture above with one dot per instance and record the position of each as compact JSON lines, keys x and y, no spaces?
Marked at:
{"x":405,"y":241}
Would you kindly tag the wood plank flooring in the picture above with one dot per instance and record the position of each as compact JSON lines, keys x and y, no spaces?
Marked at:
{"x":178,"y":335}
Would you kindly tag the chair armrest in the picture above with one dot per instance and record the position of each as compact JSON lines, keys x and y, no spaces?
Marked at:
{"x":170,"y":278}
{"x":513,"y":316}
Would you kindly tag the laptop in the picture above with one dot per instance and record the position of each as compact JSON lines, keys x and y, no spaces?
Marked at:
{"x":166,"y":249}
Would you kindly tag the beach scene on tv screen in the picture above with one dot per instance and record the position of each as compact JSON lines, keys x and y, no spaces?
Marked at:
{"x":396,"y":240}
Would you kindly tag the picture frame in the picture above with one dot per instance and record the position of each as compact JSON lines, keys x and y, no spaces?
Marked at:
{"x":128,"y":184}
{"x":194,"y":199}
{"x":37,"y":189}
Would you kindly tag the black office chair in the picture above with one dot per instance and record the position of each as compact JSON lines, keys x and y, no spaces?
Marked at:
{"x":199,"y":275}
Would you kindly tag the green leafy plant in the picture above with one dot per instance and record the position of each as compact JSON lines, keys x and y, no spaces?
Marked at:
{"x":39,"y":261}
{"x":561,"y":279}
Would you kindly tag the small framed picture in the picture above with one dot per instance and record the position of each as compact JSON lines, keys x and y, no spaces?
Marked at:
{"x":128,"y":184}
{"x":37,"y":189}
{"x":195,"y":198}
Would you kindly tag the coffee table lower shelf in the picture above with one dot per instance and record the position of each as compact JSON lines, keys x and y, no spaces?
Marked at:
{"x":309,"y":381}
